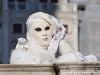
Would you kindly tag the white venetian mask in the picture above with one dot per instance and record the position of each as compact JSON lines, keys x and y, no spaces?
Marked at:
{"x":41,"y":32}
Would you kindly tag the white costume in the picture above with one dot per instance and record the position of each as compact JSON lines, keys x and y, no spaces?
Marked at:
{"x":44,"y":35}
{"x":39,"y":35}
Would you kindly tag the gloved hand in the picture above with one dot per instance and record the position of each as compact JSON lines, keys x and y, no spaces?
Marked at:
{"x":90,"y":58}
{"x":56,"y":39}
{"x":22,"y":44}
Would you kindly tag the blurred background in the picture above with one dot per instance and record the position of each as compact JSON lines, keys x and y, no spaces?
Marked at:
{"x":85,"y":14}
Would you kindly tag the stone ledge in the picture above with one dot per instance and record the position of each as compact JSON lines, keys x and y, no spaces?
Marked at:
{"x":80,"y":69}
{"x":24,"y":69}
{"x":47,"y":69}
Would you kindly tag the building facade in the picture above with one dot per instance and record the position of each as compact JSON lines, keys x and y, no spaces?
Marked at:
{"x":14,"y":13}
{"x":89,"y":24}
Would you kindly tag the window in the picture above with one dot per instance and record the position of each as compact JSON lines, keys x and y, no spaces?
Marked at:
{"x":11,"y":0}
{"x":68,"y":1}
{"x":81,"y":7}
{"x":0,"y":5}
{"x":17,"y":28}
{"x":11,"y":6}
{"x":44,"y":7}
{"x":25,"y":30}
{"x":0,"y":25}
{"x":21,"y":6}
{"x":80,"y":21}
{"x":43,"y":1}
{"x":54,"y":1}
{"x":53,"y":7}
{"x":21,"y":0}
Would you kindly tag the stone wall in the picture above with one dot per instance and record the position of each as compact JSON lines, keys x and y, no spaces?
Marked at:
{"x":65,"y":69}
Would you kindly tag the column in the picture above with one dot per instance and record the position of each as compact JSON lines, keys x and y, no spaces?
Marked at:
{"x":5,"y":33}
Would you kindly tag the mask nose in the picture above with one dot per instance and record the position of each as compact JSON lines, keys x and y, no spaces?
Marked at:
{"x":44,"y":33}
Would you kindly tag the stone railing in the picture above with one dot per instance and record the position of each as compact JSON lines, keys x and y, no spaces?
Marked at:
{"x":80,"y":69}
{"x":63,"y":69}
{"x":26,"y":70}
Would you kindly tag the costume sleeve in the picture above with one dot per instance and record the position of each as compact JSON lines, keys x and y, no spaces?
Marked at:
{"x":22,"y":57}
{"x":56,"y":40}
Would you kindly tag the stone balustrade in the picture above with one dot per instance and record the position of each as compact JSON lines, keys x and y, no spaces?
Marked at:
{"x":80,"y":69}
{"x":44,"y":69}
{"x":24,"y":69}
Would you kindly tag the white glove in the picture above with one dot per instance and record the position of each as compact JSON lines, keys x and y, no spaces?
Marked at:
{"x":56,"y":39}
{"x":90,"y":58}
{"x":22,"y":44}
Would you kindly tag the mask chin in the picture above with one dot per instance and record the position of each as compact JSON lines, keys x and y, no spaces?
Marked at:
{"x":45,"y":47}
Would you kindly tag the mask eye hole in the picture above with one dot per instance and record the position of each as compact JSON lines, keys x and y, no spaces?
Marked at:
{"x":47,"y":28}
{"x":38,"y":29}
